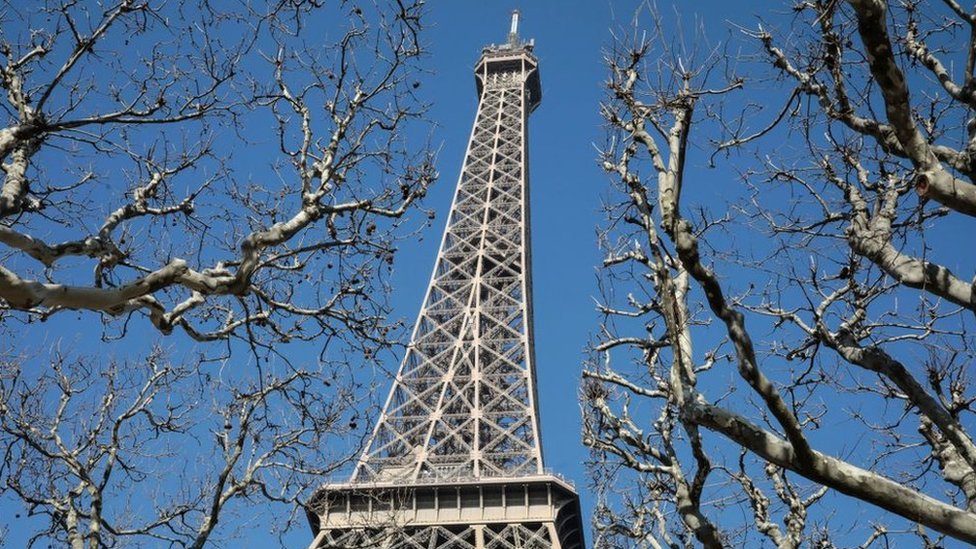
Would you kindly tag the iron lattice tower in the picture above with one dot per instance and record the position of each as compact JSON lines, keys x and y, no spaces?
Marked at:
{"x":455,"y":460}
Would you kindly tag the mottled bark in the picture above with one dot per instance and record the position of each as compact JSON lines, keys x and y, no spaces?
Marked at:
{"x":838,"y":474}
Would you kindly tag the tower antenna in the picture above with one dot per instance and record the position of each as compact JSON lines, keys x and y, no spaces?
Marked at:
{"x":513,"y":33}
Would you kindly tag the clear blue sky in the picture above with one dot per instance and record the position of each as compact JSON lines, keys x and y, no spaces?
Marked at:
{"x":567,"y":188}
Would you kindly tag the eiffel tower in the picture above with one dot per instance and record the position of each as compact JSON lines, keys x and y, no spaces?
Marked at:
{"x":455,"y":460}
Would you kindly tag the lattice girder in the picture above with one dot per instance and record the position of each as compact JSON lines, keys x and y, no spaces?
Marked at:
{"x":455,"y":461}
{"x":463,"y":402}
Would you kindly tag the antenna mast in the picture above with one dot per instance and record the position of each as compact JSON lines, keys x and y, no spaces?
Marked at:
{"x":513,"y":33}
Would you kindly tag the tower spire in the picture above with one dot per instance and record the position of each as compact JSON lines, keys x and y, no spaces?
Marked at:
{"x":513,"y":33}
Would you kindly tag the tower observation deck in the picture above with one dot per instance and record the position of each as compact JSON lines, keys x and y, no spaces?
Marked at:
{"x":455,"y":459}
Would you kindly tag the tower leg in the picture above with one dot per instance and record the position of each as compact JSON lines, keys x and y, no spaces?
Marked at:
{"x":479,"y":536}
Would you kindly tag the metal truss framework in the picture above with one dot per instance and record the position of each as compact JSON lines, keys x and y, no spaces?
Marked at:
{"x":463,"y":402}
{"x":504,"y":536}
{"x":463,"y":406}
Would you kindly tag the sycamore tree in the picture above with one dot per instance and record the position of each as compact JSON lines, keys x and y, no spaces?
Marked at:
{"x":788,"y":292}
{"x":233,"y":174}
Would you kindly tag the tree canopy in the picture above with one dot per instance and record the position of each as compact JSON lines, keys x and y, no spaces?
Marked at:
{"x":789,"y":327}
{"x":235,"y":172}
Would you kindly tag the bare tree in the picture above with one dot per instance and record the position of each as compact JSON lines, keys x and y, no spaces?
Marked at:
{"x":823,"y":277}
{"x":216,"y":171}
{"x":143,"y":454}
{"x":236,"y":172}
